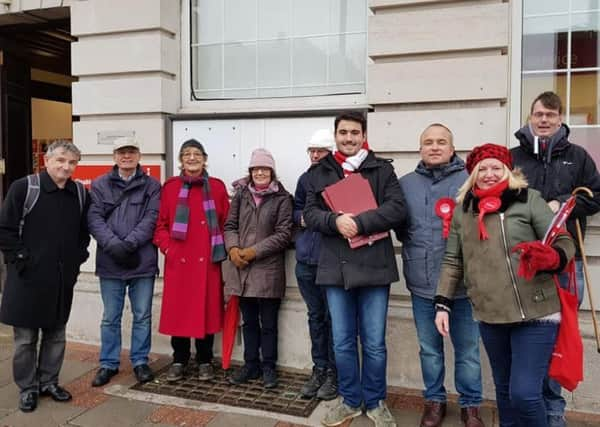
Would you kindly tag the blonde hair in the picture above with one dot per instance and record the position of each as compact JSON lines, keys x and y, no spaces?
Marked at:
{"x":516,"y":181}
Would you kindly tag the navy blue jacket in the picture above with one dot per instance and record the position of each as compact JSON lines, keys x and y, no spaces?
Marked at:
{"x":423,"y":245}
{"x":308,"y":242}
{"x":131,"y":223}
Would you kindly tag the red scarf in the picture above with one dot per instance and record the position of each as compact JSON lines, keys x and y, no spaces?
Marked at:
{"x":341,"y":158}
{"x":489,"y":201}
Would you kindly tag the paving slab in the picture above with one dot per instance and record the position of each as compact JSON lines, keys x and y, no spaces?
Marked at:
{"x":48,"y":414}
{"x":9,"y":397}
{"x":237,"y":420}
{"x":115,"y":412}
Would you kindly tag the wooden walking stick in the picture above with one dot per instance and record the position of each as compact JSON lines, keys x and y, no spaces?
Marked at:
{"x":585,"y":267}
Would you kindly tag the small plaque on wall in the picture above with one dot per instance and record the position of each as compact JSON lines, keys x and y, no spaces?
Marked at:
{"x":108,"y":137}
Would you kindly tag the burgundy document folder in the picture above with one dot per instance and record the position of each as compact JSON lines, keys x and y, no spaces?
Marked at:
{"x":353,"y":195}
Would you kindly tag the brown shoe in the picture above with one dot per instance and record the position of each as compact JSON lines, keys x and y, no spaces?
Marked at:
{"x":471,"y":417}
{"x":433,"y":414}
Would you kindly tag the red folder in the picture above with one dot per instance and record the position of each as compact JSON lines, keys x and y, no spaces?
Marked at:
{"x":353,"y":195}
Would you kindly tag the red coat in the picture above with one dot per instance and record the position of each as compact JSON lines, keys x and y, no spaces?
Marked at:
{"x":192,"y":302}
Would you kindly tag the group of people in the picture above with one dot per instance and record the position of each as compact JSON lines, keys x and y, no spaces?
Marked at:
{"x":458,"y":222}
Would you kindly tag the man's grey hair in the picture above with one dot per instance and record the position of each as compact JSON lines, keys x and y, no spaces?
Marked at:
{"x":63,"y":144}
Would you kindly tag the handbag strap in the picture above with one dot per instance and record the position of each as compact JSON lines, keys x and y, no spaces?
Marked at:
{"x":572,"y":279}
{"x":122,"y":197}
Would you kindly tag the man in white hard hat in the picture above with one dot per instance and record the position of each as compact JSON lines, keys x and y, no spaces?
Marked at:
{"x":323,"y":382}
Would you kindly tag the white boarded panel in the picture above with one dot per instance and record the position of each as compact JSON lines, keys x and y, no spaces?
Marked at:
{"x":439,"y":30}
{"x":376,"y":4}
{"x":455,"y":79}
{"x":400,"y":130}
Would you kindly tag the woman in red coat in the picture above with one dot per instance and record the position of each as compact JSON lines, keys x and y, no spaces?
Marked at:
{"x":189,"y":232}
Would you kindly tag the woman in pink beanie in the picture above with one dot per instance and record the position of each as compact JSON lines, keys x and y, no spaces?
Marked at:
{"x":257,"y":232}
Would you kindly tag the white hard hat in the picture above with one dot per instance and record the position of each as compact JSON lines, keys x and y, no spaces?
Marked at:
{"x":323,"y":138}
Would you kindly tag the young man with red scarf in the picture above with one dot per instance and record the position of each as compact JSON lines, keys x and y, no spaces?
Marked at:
{"x":357,"y":281}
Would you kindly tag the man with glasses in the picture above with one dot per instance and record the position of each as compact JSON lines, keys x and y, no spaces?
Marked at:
{"x":323,"y":381}
{"x":122,"y":218}
{"x":555,"y":167}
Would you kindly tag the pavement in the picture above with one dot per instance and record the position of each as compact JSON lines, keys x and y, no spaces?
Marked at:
{"x":116,"y":404}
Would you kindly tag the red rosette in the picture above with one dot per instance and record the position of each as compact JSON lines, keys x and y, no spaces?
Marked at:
{"x":444,"y":208}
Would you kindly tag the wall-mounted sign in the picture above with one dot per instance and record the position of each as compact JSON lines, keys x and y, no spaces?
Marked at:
{"x":108,"y":137}
{"x":88,"y":172}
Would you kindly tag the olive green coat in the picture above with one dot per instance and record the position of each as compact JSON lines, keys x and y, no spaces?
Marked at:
{"x":490,"y":267}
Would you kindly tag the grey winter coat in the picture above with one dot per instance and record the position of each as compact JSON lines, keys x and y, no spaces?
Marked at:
{"x":124,"y":231}
{"x":423,"y":245}
{"x":267,"y":229}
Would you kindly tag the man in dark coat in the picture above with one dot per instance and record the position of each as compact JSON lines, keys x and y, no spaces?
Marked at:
{"x":323,"y":381}
{"x":122,"y":218}
{"x":357,"y":281}
{"x":555,"y":167}
{"x":43,"y":264}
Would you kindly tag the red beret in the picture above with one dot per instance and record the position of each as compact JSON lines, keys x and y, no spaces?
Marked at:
{"x":489,"y":151}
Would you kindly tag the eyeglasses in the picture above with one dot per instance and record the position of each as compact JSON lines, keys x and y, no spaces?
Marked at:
{"x":189,"y":155}
{"x":550,"y":115}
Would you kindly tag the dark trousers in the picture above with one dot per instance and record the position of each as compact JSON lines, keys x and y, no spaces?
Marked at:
{"x":33,"y":369}
{"x":319,"y":321}
{"x":519,"y":355}
{"x":181,"y":349}
{"x":260,"y":330}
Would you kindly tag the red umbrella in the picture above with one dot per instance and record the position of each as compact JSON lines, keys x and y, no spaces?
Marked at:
{"x":230,"y":324}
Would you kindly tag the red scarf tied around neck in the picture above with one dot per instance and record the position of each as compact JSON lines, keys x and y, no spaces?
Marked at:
{"x":489,"y":201}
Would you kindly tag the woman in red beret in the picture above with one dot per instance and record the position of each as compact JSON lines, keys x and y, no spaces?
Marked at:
{"x":518,"y":316}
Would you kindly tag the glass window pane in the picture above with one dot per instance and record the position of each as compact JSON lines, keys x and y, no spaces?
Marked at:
{"x":535,"y":7}
{"x":578,"y":5}
{"x":347,"y":58}
{"x":309,"y":56}
{"x":274,"y":63}
{"x":588,"y":138}
{"x":348,"y":16}
{"x":240,"y":20}
{"x":584,"y":99}
{"x":240,"y":66}
{"x":311,"y":17}
{"x":533,"y":85}
{"x":209,"y":60}
{"x":545,"y":43}
{"x":274,"y":19}
{"x":207,"y":20}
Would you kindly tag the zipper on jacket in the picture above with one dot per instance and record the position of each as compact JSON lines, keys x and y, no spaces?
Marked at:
{"x":509,"y":265}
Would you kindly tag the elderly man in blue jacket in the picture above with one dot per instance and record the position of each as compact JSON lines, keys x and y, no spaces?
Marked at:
{"x":429,"y":193}
{"x":122,"y":218}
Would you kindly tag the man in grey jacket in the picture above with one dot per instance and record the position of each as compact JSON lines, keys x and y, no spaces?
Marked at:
{"x":430,"y":191}
{"x":122,"y":218}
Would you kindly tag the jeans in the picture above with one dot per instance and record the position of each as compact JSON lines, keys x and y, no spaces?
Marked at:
{"x":555,"y":403}
{"x":113,"y":296}
{"x":319,"y":321}
{"x":260,"y":330}
{"x":464,"y":333}
{"x":182,"y":353}
{"x":519,"y":355}
{"x":360,"y":312}
{"x":33,"y":369}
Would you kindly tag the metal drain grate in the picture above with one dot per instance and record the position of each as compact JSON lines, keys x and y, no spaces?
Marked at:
{"x":285,"y":399}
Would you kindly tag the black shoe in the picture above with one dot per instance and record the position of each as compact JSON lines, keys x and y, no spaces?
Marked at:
{"x":28,"y":401}
{"x":316,"y":380}
{"x":176,"y":371}
{"x":329,"y":389}
{"x":56,"y":392}
{"x":103,"y":376}
{"x":143,"y":373}
{"x":244,"y":374}
{"x":269,"y":378}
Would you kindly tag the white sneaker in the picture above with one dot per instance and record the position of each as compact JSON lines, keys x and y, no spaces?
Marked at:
{"x":339,"y":414}
{"x":381,"y":416}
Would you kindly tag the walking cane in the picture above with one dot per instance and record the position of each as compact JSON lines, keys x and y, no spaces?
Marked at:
{"x":585,"y":267}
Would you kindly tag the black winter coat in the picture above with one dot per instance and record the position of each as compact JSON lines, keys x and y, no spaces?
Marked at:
{"x":569,"y":166}
{"x":44,"y":262}
{"x":340,"y":265}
